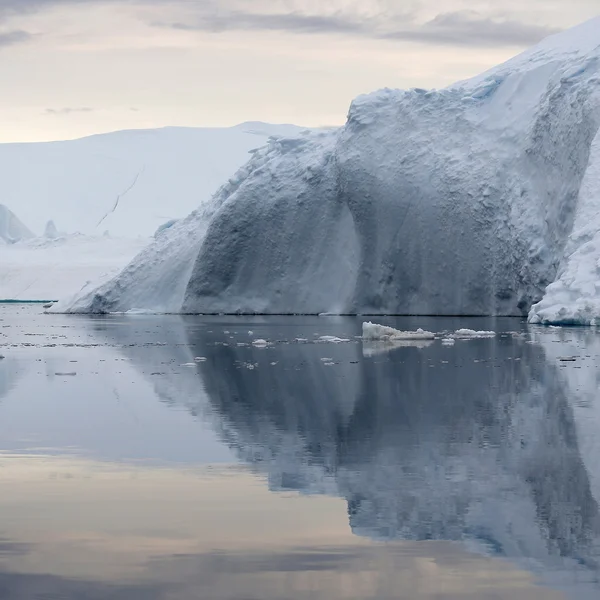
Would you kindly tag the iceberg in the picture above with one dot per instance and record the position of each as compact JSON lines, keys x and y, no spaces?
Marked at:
{"x":376,"y":332}
{"x":478,"y":199}
{"x":12,"y":230}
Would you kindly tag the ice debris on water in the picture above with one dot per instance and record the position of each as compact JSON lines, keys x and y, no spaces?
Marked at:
{"x":332,"y":339}
{"x":469,"y":334}
{"x":260,"y":343}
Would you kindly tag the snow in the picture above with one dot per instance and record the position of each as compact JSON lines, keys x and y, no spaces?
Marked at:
{"x":374,"y":331}
{"x":462,"y":201}
{"x":127,"y":182}
{"x":48,"y":269}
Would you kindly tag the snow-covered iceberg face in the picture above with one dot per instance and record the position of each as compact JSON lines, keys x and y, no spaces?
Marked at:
{"x":457,"y":202}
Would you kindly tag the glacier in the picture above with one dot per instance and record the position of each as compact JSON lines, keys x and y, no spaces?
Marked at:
{"x":126,"y":182}
{"x":478,"y":199}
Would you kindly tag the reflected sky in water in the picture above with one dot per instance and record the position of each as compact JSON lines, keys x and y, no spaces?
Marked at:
{"x":171,"y":458}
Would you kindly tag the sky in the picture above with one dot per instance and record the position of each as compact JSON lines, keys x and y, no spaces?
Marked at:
{"x":70,"y":68}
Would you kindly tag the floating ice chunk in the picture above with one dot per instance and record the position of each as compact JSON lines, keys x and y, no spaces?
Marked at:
{"x":468,"y":334}
{"x":200,"y":359}
{"x":260,"y":343}
{"x":374,"y":331}
{"x":448,"y":342}
{"x":332,"y":339}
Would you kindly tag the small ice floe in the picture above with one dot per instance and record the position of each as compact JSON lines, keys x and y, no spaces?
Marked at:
{"x":301,"y":340}
{"x":332,"y":339}
{"x":260,"y":343}
{"x":188,"y":364}
{"x":70,"y":374}
{"x":251,"y":333}
{"x":200,"y":359}
{"x":327,"y":359}
{"x":374,"y":331}
{"x":328,"y":364}
{"x":471,"y":334}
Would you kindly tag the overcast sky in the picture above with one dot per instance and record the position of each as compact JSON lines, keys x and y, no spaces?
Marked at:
{"x":69,"y":68}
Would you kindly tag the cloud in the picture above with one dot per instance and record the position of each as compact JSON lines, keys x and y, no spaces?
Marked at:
{"x":290,"y":22}
{"x":461,"y":28}
{"x":11,"y":38}
{"x":467,"y":28}
{"x":68,"y":110}
{"x":376,"y":20}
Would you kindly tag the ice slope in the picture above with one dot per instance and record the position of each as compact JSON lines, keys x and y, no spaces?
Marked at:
{"x":127,"y":182}
{"x":453,"y":202}
{"x":11,"y":229}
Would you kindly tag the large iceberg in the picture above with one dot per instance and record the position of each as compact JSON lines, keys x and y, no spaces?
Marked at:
{"x":470,"y":200}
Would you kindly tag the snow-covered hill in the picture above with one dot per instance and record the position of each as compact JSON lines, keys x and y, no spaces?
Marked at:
{"x":463,"y":201}
{"x":127,"y":182}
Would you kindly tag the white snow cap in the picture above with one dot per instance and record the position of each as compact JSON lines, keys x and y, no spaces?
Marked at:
{"x":464,"y":201}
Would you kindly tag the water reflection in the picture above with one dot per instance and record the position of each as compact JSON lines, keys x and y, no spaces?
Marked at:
{"x":491,"y":443}
{"x":475,"y":443}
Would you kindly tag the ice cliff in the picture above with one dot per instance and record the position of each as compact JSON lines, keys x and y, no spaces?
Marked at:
{"x":470,"y":200}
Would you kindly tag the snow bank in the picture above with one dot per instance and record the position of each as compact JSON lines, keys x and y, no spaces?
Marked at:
{"x":374,"y":331}
{"x":454,"y":202}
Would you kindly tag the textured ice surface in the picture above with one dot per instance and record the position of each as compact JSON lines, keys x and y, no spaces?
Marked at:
{"x":463,"y":201}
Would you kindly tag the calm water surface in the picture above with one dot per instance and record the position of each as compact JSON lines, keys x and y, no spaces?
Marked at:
{"x":171,"y":458}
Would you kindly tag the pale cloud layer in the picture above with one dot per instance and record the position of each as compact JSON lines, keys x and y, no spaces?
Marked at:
{"x":219,"y":62}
